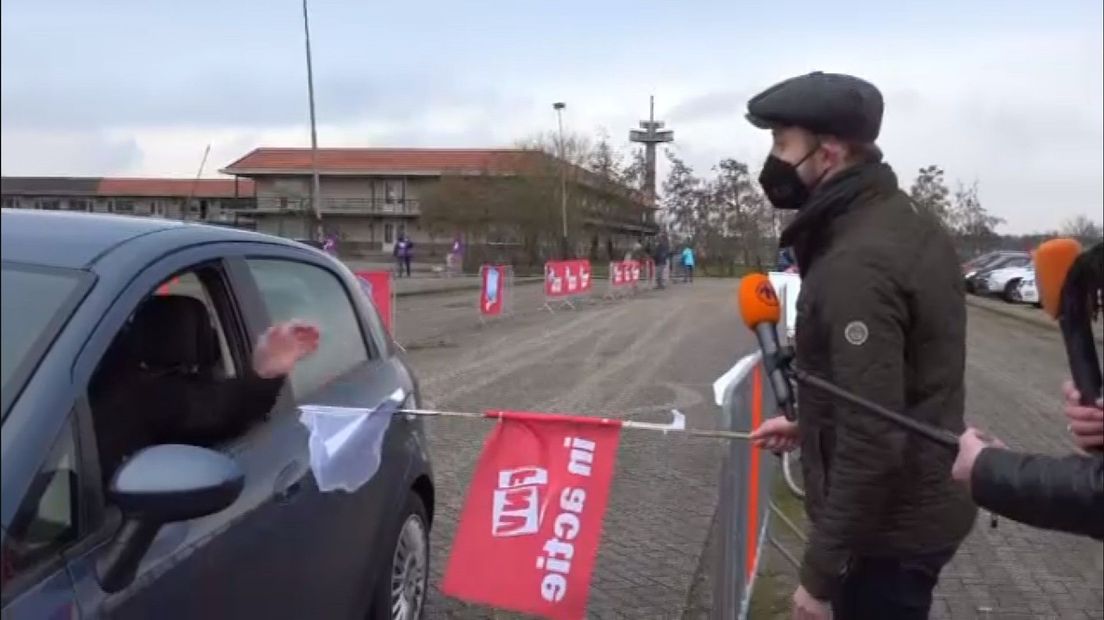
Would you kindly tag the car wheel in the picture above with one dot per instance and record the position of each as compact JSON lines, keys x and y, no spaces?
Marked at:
{"x":402,"y":585}
{"x":1010,"y":291}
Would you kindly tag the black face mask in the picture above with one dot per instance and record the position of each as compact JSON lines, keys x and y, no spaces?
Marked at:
{"x":781,"y":183}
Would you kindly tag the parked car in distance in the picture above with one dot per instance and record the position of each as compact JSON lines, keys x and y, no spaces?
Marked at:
{"x":1028,"y":291}
{"x":999,"y":260}
{"x":233,"y":527}
{"x":1003,"y":282}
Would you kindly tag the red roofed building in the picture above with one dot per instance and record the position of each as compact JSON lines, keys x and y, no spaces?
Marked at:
{"x":212,"y":200}
{"x":370,"y":195}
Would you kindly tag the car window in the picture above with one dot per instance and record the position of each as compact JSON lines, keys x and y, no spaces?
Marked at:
{"x":293,"y":290}
{"x":189,"y":285}
{"x":174,"y":353}
{"x":47,"y":519}
{"x":36,"y":302}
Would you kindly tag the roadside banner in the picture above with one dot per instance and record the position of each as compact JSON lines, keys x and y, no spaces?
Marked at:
{"x":496,"y":284}
{"x":377,"y":285}
{"x":566,"y":279}
{"x":532,"y":520}
{"x":623,"y":275}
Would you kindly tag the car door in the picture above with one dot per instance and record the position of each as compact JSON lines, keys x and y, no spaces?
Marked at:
{"x":238,"y":562}
{"x":48,"y":521}
{"x":350,"y":369}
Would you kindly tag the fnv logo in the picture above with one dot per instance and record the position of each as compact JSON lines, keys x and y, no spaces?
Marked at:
{"x":765,"y":293}
{"x":517,"y":501}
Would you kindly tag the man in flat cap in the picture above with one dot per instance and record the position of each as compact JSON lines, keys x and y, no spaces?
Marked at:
{"x":882,"y":315}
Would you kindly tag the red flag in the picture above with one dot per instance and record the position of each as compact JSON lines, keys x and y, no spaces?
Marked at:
{"x":528,"y":535}
{"x":377,"y":285}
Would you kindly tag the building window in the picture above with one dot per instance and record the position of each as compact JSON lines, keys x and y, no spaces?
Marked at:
{"x":122,"y":206}
{"x":9,"y":203}
{"x":392,"y":191}
{"x":283,"y":202}
{"x":48,"y":204}
{"x":78,"y":204}
{"x":388,"y":233}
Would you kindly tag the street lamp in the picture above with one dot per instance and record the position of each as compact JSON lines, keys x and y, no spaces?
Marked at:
{"x":559,"y":108}
{"x":317,"y":190}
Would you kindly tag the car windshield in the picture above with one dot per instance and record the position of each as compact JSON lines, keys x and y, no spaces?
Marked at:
{"x":36,"y":301}
{"x":1005,"y":260}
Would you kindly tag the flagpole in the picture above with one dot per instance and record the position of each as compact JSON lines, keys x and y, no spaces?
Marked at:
{"x":642,"y":426}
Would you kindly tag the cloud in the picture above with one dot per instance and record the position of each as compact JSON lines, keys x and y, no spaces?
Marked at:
{"x":67,"y":153}
{"x":221,"y":99}
{"x":720,"y":105}
{"x":1007,"y":94}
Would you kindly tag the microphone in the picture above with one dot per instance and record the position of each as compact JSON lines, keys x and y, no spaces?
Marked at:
{"x":760,"y":310}
{"x":1068,"y":283}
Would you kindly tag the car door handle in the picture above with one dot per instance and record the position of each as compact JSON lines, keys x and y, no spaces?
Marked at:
{"x":289,"y":483}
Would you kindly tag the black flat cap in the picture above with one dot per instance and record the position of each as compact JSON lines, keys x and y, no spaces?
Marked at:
{"x":838,"y":105}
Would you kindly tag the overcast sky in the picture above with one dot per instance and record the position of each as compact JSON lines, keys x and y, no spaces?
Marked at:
{"x":1005,"y":92}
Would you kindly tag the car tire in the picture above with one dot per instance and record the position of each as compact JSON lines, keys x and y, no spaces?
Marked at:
{"x":1010,"y":290}
{"x":402,"y":584}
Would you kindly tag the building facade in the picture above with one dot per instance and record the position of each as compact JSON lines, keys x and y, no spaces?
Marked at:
{"x":371,"y":196}
{"x":218,"y":201}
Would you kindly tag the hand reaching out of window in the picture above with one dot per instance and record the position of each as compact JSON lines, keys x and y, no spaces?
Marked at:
{"x":282,"y":346}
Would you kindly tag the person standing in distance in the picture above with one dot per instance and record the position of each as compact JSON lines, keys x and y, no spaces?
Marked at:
{"x":882,"y":315}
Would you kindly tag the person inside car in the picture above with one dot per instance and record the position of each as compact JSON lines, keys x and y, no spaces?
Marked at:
{"x":160,"y":387}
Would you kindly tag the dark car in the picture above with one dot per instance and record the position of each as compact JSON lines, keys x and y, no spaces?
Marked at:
{"x":235,"y":529}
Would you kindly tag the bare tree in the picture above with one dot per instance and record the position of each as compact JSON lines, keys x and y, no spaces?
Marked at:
{"x":930,"y":193}
{"x":632,"y":175}
{"x":520,"y":204}
{"x":604,"y":160}
{"x":974,"y":225}
{"x":744,"y":215}
{"x":1083,"y":229}
{"x":684,"y":199}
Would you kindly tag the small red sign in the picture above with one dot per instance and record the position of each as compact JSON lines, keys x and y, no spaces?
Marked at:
{"x":377,"y":285}
{"x":625,"y":273}
{"x":492,"y":291}
{"x":567,"y":278}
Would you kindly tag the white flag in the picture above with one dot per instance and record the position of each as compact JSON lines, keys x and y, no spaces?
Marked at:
{"x":346,"y":442}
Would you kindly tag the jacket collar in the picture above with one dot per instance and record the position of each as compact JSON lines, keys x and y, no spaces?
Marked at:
{"x":810,"y":232}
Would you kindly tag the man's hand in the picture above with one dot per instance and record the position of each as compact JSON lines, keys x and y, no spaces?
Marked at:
{"x":1086,"y":423}
{"x":805,"y":607}
{"x":776,"y":434}
{"x":282,"y":346}
{"x":970,"y":445}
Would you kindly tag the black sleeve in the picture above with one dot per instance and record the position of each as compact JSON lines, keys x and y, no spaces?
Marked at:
{"x":217,"y":411}
{"x":1055,"y":493}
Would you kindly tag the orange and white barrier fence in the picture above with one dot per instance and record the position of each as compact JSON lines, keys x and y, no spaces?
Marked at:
{"x":745,"y":506}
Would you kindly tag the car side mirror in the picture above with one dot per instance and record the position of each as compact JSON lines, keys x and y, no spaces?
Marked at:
{"x":158,"y":485}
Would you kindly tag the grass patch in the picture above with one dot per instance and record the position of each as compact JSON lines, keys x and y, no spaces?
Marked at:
{"x":777,"y":580}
